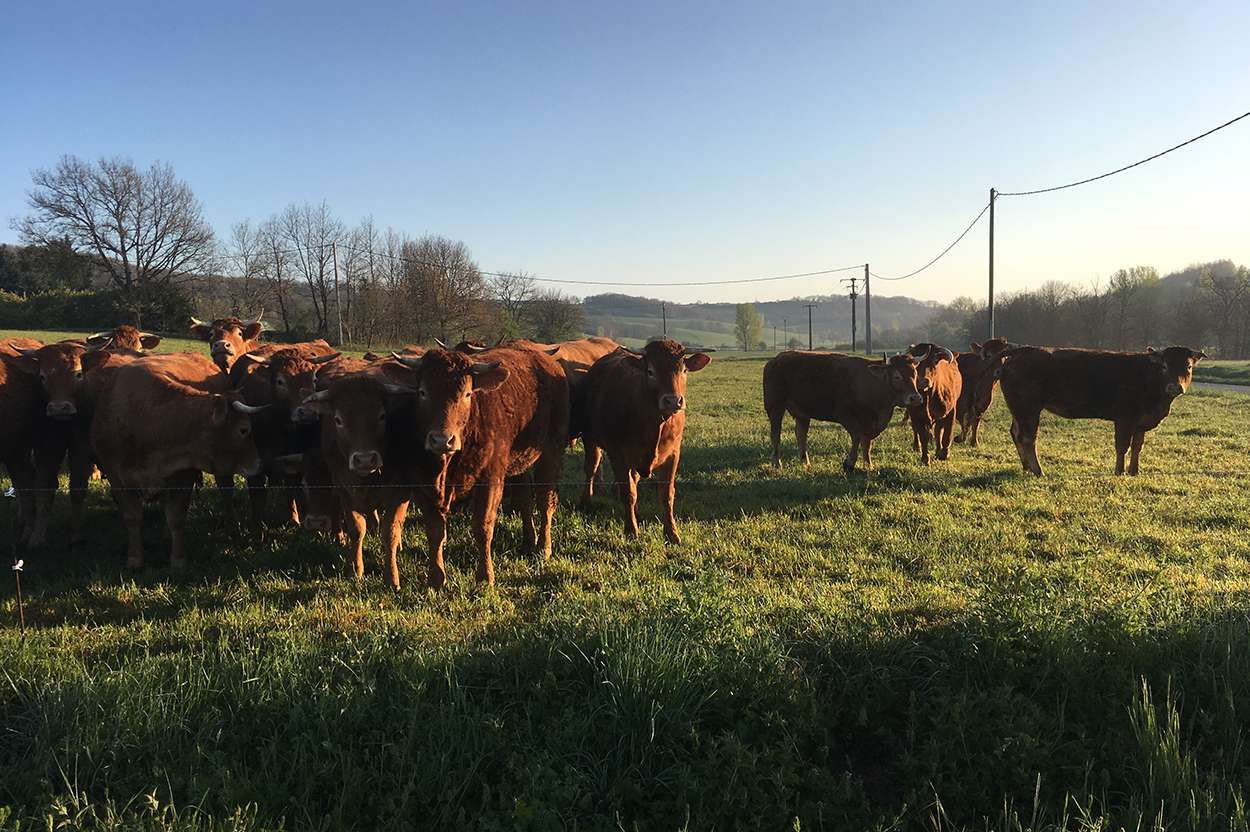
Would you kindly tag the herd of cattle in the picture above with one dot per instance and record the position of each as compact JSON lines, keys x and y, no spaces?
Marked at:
{"x":343,"y":441}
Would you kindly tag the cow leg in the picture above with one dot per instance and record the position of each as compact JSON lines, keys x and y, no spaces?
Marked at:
{"x":666,"y":479}
{"x":922,"y":429}
{"x":547,"y":474}
{"x":801,"y":425}
{"x":177,"y":498}
{"x":357,"y":526}
{"x":22,"y":475}
{"x":627,"y":490}
{"x":257,"y":500}
{"x":848,"y":464}
{"x":523,"y":501}
{"x":1139,"y":439}
{"x":866,"y":448}
{"x":976,"y":424}
{"x":392,"y":536}
{"x":485,"y":511}
{"x":130,"y":503}
{"x":435,"y":538}
{"x":1123,"y":438}
{"x":592,"y":457}
{"x":944,"y":434}
{"x":1024,"y":434}
{"x":774,"y":434}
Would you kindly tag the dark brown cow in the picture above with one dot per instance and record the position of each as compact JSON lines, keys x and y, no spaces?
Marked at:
{"x":371,"y":456}
{"x":858,"y":393}
{"x":124,"y":337}
{"x":977,"y":393}
{"x":228,"y":338}
{"x":19,"y":403}
{"x":484,"y":421}
{"x":635,"y":411}
{"x":156,"y":427}
{"x":1135,"y":391}
{"x":938,"y":379}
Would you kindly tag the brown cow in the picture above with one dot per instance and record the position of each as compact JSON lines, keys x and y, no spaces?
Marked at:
{"x":485,"y":421}
{"x":228,"y":338}
{"x":977,"y":393}
{"x":938,"y":379}
{"x":858,"y":393}
{"x":19,"y":402}
{"x":13,"y":347}
{"x":1135,"y":391}
{"x":156,"y":427}
{"x":635,"y":411}
{"x":371,"y":457}
{"x":124,"y":337}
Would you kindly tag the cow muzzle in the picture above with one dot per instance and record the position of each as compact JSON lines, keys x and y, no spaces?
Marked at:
{"x":671,"y":404}
{"x":440,"y":442}
{"x":1172,"y":389}
{"x":61,"y":410}
{"x":222,"y":348}
{"x":365,"y":462}
{"x":913,"y":400}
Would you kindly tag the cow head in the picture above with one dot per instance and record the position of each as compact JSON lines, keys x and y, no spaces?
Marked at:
{"x":992,"y":347}
{"x":228,"y":338}
{"x":928,"y":357}
{"x":357,"y":409}
{"x":60,"y":371}
{"x":292,"y":377}
{"x":899,"y":373}
{"x":124,"y":337}
{"x":1176,"y":366}
{"x":665,"y":364}
{"x":446,"y":383}
{"x":231,"y":444}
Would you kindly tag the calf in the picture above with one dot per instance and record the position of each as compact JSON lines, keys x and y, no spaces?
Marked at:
{"x":635,"y":411}
{"x":1134,"y":391}
{"x":156,"y":428}
{"x":856,"y":392}
{"x":977,"y":393}
{"x":228,"y":338}
{"x":937,"y":376}
{"x":485,"y":421}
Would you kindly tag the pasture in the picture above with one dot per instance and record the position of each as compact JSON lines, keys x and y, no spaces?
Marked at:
{"x":961,"y":646}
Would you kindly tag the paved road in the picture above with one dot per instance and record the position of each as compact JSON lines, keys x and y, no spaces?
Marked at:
{"x":1221,"y":388}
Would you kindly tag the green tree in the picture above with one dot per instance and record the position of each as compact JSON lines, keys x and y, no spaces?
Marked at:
{"x":748,"y":327}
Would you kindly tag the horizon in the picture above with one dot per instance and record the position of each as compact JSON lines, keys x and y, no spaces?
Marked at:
{"x":658,"y":144}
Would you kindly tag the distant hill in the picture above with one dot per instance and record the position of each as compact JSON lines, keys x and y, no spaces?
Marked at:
{"x":712,"y":324}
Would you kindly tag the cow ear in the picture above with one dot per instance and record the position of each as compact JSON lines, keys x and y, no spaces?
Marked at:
{"x":488,"y":376}
{"x":880,"y":370}
{"x":150,"y":342}
{"x":253,"y":330}
{"x":27,"y":361}
{"x":202,"y":331}
{"x":92,"y":359}
{"x":1197,"y":355}
{"x":976,"y":346}
{"x":221,"y":409}
{"x":697,"y":362}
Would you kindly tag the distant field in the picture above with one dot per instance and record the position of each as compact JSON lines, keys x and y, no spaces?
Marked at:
{"x":1226,"y":372}
{"x":961,"y":646}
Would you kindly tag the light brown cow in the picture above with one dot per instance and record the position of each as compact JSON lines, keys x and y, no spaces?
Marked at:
{"x":635,"y":411}
{"x":13,"y":347}
{"x":856,"y":392}
{"x":938,"y":379}
{"x":228,"y":338}
{"x":156,"y":427}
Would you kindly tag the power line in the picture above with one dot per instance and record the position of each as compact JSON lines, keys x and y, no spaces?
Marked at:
{"x":954,"y":243}
{"x":1127,"y":167}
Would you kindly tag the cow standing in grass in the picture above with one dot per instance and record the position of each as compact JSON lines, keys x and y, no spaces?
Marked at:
{"x":1134,"y":391}
{"x":635,"y":412}
{"x":977,"y":393}
{"x":228,"y":338}
{"x":159,"y":423}
{"x":856,"y":392}
{"x":484,"y":419}
{"x":938,"y":379}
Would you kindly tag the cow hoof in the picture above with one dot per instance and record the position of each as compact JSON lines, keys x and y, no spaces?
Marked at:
{"x":959,"y":439}
{"x":972,"y":444}
{"x":437,"y":579}
{"x":943,"y":455}
{"x":672,"y":537}
{"x":631,"y":534}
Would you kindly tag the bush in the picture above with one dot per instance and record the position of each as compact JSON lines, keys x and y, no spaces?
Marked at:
{"x":92,"y":310}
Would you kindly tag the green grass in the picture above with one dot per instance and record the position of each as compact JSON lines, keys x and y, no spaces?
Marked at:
{"x":954,"y":647}
{"x":1224,"y":372}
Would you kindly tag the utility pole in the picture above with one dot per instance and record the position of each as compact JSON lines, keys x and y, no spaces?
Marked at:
{"x":664,"y":315}
{"x":774,"y":337}
{"x":867,"y":313}
{"x":338,"y":303}
{"x":810,"y":307}
{"x":785,"y":330}
{"x":993,"y":196}
{"x":852,"y":282}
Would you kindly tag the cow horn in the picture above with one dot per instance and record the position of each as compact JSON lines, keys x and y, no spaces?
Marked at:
{"x":441,"y":345}
{"x":247,"y":408}
{"x":197,"y":322}
{"x":920,"y":358}
{"x":322,"y":359}
{"x":319,"y":396}
{"x":410,"y":361}
{"x":98,"y":336}
{"x":259,"y":315}
{"x":99,"y":346}
{"x":553,"y":351}
{"x":483,"y":367}
{"x":27,"y":350}
{"x":950,"y":356}
{"x":474,"y":348}
{"x":260,"y":360}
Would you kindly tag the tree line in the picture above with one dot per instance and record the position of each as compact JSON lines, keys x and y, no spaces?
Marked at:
{"x":134,"y":245}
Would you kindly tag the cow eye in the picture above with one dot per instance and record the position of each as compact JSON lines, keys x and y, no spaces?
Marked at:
{"x":382,"y":416}
{"x":421,"y":393}
{"x":281,"y":382}
{"x":244,"y":430}
{"x":78,"y":375}
{"x":338,"y":420}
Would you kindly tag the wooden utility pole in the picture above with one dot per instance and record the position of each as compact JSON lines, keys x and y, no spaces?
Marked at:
{"x":993,"y":196}
{"x":338,"y":302}
{"x":785,"y":331}
{"x":664,"y":316}
{"x":810,"y":307}
{"x":867,"y":313}
{"x":774,"y":337}
{"x":852,"y":282}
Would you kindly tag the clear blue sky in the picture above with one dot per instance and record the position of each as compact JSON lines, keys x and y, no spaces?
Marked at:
{"x":669,"y":141}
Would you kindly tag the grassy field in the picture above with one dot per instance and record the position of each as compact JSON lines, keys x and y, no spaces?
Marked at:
{"x":954,"y":647}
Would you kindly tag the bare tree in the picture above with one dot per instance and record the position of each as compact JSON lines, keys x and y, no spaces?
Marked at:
{"x":512,"y":293}
{"x":1225,"y":294}
{"x":444,"y":285}
{"x":555,"y":317}
{"x":309,"y":231}
{"x":1126,"y":287}
{"x":246,"y":257}
{"x":278,"y":271}
{"x":146,"y":227}
{"x":364,"y":271}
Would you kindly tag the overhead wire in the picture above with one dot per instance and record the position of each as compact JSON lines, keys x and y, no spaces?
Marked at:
{"x":941,"y":254}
